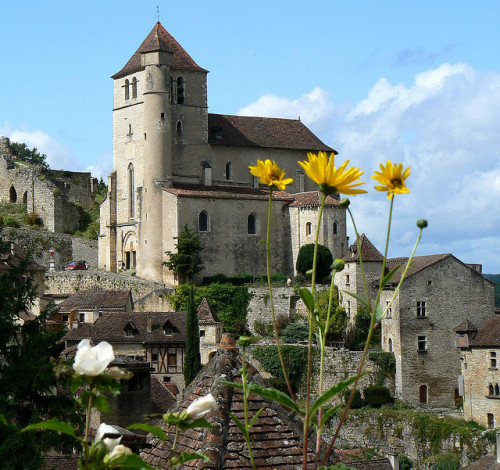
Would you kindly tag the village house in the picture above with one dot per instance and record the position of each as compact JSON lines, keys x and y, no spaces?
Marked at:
{"x":480,"y":369}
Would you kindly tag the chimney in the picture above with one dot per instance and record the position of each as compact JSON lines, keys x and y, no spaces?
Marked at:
{"x":148,"y":327}
{"x":498,"y":446}
{"x":393,"y":459}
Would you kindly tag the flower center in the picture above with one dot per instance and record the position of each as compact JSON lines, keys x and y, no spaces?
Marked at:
{"x":396,"y":183}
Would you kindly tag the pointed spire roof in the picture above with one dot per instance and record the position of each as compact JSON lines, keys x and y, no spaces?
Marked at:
{"x":160,"y":40}
{"x":368,"y":251}
{"x":206,"y":313}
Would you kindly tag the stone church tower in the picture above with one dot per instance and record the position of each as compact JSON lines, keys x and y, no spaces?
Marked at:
{"x":174,"y":164}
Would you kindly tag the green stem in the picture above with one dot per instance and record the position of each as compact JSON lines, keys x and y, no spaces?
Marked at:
{"x":382,"y":274}
{"x":87,"y":429}
{"x":309,"y":345}
{"x":275,"y":326}
{"x":245,"y":407}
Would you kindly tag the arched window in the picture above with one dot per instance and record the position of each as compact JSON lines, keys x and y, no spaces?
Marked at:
{"x":203,"y":221}
{"x":335,"y":228}
{"x":134,"y":87}
{"x":497,"y":390}
{"x":228,"y":171}
{"x":12,"y":195}
{"x":127,"y":89}
{"x":491,"y":390}
{"x":252,"y":224}
{"x":180,"y":90}
{"x":179,"y":127}
{"x":390,"y":345}
{"x":131,"y":186}
{"x":308,"y":228}
{"x":25,"y":197}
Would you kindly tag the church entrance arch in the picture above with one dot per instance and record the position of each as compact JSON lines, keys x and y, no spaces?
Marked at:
{"x":129,"y":250}
{"x":12,"y":194}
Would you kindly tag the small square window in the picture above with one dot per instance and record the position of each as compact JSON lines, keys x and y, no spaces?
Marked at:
{"x":202,"y":333}
{"x":166,"y":379}
{"x":389,"y":309}
{"x":429,"y":283}
{"x":493,"y":359}
{"x":82,"y":317}
{"x":422,"y":343}
{"x":154,"y":357}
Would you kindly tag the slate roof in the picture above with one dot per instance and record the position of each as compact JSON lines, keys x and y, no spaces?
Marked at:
{"x":162,"y":397}
{"x":206,"y":314}
{"x":276,"y":439}
{"x":110,"y":327}
{"x":489,"y":333}
{"x":225,"y":192}
{"x":264,"y":132}
{"x":312,"y":199}
{"x":101,"y":299}
{"x":368,"y":251}
{"x":159,"y":39}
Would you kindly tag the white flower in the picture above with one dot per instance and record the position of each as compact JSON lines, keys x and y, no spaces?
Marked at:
{"x":201,"y":406}
{"x":108,"y":442}
{"x":93,"y":361}
{"x":120,"y":449}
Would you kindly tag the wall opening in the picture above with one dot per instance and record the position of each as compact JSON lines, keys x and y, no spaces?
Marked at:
{"x":423,"y":394}
{"x":12,"y":195}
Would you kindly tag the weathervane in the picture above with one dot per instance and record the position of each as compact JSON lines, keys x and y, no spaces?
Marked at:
{"x":158,"y":12}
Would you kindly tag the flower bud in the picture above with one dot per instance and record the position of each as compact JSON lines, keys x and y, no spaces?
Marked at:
{"x":344,"y":203}
{"x":422,"y":223}
{"x":245,"y":341}
{"x":338,"y":265}
{"x":120,"y":449}
{"x":201,"y":406}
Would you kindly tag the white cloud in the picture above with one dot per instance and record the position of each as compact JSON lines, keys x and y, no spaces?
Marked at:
{"x":445,"y":126}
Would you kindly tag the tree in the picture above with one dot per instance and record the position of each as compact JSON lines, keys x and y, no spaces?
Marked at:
{"x":27,"y":378}
{"x":337,"y":314}
{"x":187,"y":262}
{"x":192,"y":358}
{"x":32,"y":156}
{"x":323,"y":263}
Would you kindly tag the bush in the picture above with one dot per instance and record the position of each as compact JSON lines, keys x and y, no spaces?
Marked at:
{"x":263,"y":328}
{"x":405,"y":463}
{"x":305,"y":260}
{"x":295,"y":332}
{"x":1,"y":220}
{"x":33,"y":219}
{"x":357,"y":401}
{"x":9,"y":221}
{"x":377,"y":396}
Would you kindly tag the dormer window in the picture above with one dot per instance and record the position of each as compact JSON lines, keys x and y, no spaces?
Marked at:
{"x":130,"y":329}
{"x":168,"y":328}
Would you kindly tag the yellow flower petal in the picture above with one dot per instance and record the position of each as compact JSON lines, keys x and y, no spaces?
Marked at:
{"x":271,"y":174}
{"x":392,"y":178}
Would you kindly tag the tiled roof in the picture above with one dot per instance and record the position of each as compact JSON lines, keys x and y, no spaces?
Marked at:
{"x":161,"y":397}
{"x":110,"y":326}
{"x":206,"y":313}
{"x":466,"y":326}
{"x":276,"y":440}
{"x":246,"y":131}
{"x":489,"y":333}
{"x":486,"y":463}
{"x":368,"y":251}
{"x":225,"y":192}
{"x":61,"y":462}
{"x":160,"y":39}
{"x":312,"y":199}
{"x":419,"y":263}
{"x":90,"y":299}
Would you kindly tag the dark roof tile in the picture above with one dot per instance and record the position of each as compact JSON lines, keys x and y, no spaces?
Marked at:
{"x":206,"y":314}
{"x":90,"y":299}
{"x":368,"y":251}
{"x":489,"y":333}
{"x":312,"y":199}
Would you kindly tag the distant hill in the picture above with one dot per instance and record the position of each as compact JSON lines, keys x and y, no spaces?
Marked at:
{"x":495,"y":278}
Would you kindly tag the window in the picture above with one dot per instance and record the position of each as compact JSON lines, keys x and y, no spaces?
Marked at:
{"x":131,"y":185}
{"x":491,"y":420}
{"x":421,"y":309}
{"x":493,"y":360}
{"x":203,"y":221}
{"x":127,"y":90}
{"x":335,"y":228}
{"x":82,"y":317}
{"x":172,"y":359}
{"x":389,"y":309}
{"x":12,"y":195}
{"x":255,"y":182}
{"x":180,"y":90}
{"x":228,"y":171}
{"x":347,"y":281}
{"x":154,"y":357}
{"x":491,"y":390}
{"x":179,"y":127}
{"x":166,"y":379}
{"x":390,"y":344}
{"x":423,"y":394}
{"x":308,"y":228}
{"x":429,"y":283}
{"x":422,"y":343}
{"x":252,"y":225}
{"x":168,"y":329}
{"x":65,"y":318}
{"x":134,"y":87}
{"x":133,"y":385}
{"x":348,"y":309}
{"x":202,"y":333}
{"x":497,"y":390}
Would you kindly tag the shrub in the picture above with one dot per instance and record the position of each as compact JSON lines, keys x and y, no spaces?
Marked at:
{"x":263,"y":328}
{"x":405,"y":463}
{"x":33,"y":219}
{"x":1,"y":220}
{"x":9,"y":221}
{"x":305,"y":260}
{"x":377,"y":395}
{"x":295,"y":332}
{"x":357,"y":401}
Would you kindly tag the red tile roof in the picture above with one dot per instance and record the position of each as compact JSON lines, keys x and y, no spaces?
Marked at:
{"x":159,"y":39}
{"x":246,"y":131}
{"x":93,"y":298}
{"x":419,"y":263}
{"x":312,"y":199}
{"x":368,"y":251}
{"x":161,"y":397}
{"x":206,"y":314}
{"x":489,"y":333}
{"x":225,"y":192}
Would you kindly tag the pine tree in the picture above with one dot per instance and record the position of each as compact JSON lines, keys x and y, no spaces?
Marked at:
{"x":192,"y":358}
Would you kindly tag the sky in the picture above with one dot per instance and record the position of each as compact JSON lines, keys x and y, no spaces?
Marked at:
{"x":411,"y":82}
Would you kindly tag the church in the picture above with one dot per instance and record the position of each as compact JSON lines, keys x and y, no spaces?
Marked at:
{"x":176,"y":165}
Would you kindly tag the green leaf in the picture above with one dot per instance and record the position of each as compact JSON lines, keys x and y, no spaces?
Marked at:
{"x":256,"y":416}
{"x":197,"y":423}
{"x":270,"y":394}
{"x":53,"y":425}
{"x":155,"y":430}
{"x":388,"y":276}
{"x":356,"y":296}
{"x":330,"y":393}
{"x":240,"y":425}
{"x":307,"y":298}
{"x":3,"y":420}
{"x":100,"y":403}
{"x":84,"y":398}
{"x":309,"y":272}
{"x":379,"y":312}
{"x":184,"y":457}
{"x":329,"y":413}
{"x":128,"y":461}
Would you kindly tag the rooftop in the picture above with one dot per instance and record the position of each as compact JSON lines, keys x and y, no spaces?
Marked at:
{"x":93,"y":298}
{"x":312,"y":199}
{"x":488,"y":334}
{"x":206,"y":314}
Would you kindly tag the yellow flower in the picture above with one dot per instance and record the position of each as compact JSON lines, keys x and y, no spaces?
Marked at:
{"x":392,"y":177}
{"x":330,"y":179}
{"x":271,"y":174}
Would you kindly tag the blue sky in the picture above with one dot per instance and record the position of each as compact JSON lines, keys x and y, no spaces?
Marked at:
{"x":416,"y":82}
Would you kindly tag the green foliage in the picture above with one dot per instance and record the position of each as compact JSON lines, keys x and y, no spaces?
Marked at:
{"x":229,"y":302}
{"x":377,"y":396}
{"x":338,"y":314}
{"x":33,"y":219}
{"x":295,"y":332}
{"x":31,"y":156}
{"x":10,"y":221}
{"x":405,"y":463}
{"x":305,"y":260}
{"x":385,"y":363}
{"x":263,"y":328}
{"x":187,"y":262}
{"x":295,"y":358}
{"x":496,"y":279}
{"x":361,"y":327}
{"x":192,"y":358}
{"x":357,"y":401}
{"x":243,"y":279}
{"x":444,"y":461}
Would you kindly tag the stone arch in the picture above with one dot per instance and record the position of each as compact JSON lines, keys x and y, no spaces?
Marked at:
{"x":12,"y":194}
{"x":129,"y":251}
{"x":211,"y":355}
{"x":25,"y":198}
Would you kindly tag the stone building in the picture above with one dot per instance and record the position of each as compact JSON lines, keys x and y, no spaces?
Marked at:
{"x":176,"y":165}
{"x":438,"y":293}
{"x":56,"y":196}
{"x":480,"y":362}
{"x":211,"y":327}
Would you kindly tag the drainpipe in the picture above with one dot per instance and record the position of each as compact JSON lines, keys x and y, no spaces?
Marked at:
{"x":498,"y":446}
